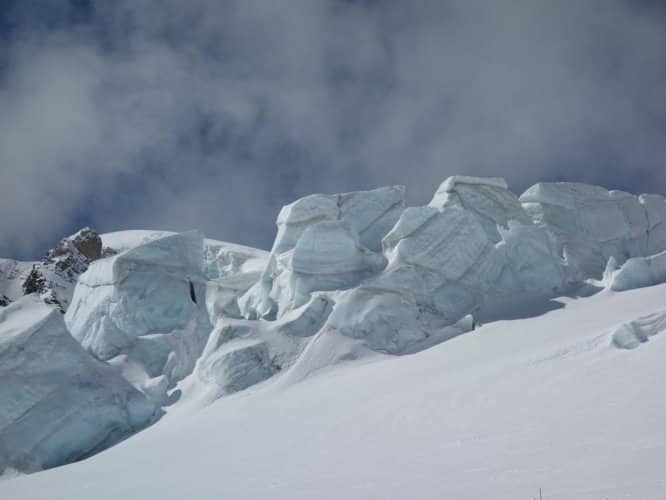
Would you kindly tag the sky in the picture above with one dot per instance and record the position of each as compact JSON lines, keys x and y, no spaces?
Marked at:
{"x":212,"y":115}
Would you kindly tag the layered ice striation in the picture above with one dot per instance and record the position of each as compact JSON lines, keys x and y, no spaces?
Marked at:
{"x":145,"y":308}
{"x":590,"y":224}
{"x":324,"y":242}
{"x":230,"y":270}
{"x":360,"y":266}
{"x":234,"y":358}
{"x":349,"y":275}
{"x":58,"y":404}
{"x":469,"y":249}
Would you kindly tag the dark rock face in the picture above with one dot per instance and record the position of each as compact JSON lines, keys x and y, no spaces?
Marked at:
{"x":77,"y":250}
{"x":4,"y":301}
{"x":89,"y":243}
{"x":54,"y":277}
{"x":35,"y":282}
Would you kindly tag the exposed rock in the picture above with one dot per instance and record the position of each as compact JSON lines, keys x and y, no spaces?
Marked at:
{"x":55,"y":276}
{"x":89,"y":243}
{"x":35,"y":282}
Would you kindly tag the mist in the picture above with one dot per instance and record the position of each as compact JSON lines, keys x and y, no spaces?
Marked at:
{"x":212,"y":115}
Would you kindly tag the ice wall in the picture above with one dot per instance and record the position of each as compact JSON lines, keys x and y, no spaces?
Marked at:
{"x":147,"y":304}
{"x":590,"y":224}
{"x":324,"y":242}
{"x":58,"y":404}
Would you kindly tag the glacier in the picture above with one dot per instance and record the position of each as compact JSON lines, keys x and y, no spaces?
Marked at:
{"x":145,"y":308}
{"x":178,"y":318}
{"x":591,"y":224}
{"x":545,"y":401}
{"x":59,"y":404}
{"x":393,"y":279}
{"x":638,"y":272}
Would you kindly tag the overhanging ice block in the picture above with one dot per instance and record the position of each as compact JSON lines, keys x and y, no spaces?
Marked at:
{"x":147,"y":302}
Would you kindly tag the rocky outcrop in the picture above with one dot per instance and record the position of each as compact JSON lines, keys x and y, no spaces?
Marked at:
{"x":89,"y":243}
{"x":54,"y":277}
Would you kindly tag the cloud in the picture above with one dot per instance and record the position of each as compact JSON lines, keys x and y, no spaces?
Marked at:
{"x":207,"y":114}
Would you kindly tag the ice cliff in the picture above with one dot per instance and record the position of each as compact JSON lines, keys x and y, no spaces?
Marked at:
{"x":57,"y":403}
{"x":145,"y":308}
{"x":349,"y":275}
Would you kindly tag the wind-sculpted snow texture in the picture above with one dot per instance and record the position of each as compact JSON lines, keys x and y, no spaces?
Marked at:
{"x":632,"y":334}
{"x":146,"y":304}
{"x":57,"y":403}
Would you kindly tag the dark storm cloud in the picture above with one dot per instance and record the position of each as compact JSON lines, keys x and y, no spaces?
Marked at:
{"x":207,"y":114}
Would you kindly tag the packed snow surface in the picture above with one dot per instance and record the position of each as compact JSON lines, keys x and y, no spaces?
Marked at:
{"x":545,"y":402}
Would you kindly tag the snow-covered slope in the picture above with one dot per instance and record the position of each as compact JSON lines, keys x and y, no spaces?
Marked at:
{"x":541,"y":402}
{"x":355,"y":282}
{"x":13,"y":274}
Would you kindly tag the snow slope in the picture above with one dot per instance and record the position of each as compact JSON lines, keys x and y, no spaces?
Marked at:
{"x":541,"y":400}
{"x":333,"y":343}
